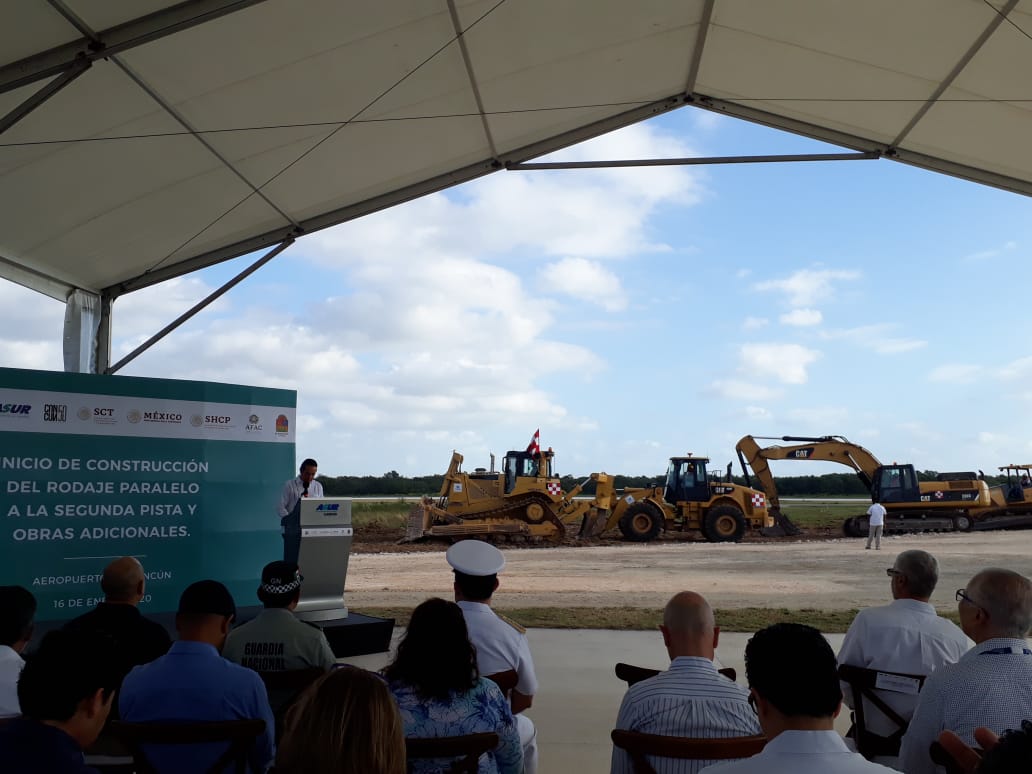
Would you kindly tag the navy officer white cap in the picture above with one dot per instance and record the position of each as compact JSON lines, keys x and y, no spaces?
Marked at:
{"x":475,"y":557}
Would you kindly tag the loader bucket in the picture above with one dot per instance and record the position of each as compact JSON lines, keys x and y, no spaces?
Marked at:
{"x":783,"y":526}
{"x":593,"y":524}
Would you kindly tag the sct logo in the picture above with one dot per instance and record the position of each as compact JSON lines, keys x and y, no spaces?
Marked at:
{"x":213,"y":420}
{"x":15,"y":408}
{"x":103,"y":412}
{"x":328,"y":507}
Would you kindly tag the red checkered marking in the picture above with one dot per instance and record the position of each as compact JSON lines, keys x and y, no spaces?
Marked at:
{"x":757,"y":500}
{"x":555,"y":488}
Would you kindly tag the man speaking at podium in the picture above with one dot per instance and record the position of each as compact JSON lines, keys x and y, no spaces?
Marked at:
{"x":304,"y":485}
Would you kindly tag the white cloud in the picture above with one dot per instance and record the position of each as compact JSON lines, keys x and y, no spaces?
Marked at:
{"x":992,"y":252}
{"x":808,"y":287}
{"x":586,"y":280}
{"x":785,"y":362}
{"x":802,"y":317}
{"x":876,"y":338}
{"x":754,"y":323}
{"x":1017,"y":369}
{"x":740,"y":389}
{"x":955,"y":373}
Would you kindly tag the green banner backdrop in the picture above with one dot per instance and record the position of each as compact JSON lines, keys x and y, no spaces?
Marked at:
{"x":183,"y":475}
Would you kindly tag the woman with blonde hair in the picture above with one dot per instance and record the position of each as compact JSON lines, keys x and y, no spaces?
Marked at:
{"x":346,"y":722}
{"x":435,"y":681}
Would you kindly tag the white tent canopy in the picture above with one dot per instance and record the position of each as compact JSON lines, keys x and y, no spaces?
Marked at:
{"x":142,"y":139}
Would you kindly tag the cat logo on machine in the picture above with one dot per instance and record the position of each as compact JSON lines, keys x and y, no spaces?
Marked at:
{"x":723,"y":489}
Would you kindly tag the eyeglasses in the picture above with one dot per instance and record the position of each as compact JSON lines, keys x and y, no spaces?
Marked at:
{"x":891,"y":572}
{"x":963,"y":597}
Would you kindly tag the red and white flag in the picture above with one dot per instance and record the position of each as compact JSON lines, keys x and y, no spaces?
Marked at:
{"x":535,"y":443}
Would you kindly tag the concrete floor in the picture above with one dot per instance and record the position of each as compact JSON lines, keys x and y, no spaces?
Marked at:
{"x":579,"y":696}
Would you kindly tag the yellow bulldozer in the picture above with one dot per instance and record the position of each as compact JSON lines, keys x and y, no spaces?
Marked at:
{"x":525,"y":499}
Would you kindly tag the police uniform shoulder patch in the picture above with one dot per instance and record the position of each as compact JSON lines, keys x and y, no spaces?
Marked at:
{"x":512,"y":623}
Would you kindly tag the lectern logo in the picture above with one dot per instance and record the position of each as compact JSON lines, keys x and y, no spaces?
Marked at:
{"x":328,"y":507}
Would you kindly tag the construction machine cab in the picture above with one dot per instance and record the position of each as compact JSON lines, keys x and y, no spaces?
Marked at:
{"x":519,"y":464}
{"x":895,"y":484}
{"x":686,"y":480}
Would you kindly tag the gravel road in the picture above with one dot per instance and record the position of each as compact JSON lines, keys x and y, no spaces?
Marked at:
{"x":822,"y":574}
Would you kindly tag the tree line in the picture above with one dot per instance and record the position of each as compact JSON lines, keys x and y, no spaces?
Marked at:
{"x":393,"y":484}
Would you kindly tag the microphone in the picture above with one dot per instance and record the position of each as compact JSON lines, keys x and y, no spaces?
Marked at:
{"x":305,"y":492}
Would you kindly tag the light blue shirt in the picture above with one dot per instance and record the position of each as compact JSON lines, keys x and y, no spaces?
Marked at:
{"x":802,"y":752}
{"x":691,"y":699}
{"x":193,"y":683}
{"x":990,"y":686}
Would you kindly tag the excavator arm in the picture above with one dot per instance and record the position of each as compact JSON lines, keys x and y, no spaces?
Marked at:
{"x":827,"y":448}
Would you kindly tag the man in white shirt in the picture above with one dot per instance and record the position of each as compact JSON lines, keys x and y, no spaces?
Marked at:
{"x":991,"y":685}
{"x":17,"y":611}
{"x":501,"y":644}
{"x":906,"y":636}
{"x":794,"y":682}
{"x":691,"y":699}
{"x":304,"y":485}
{"x":876,"y":521}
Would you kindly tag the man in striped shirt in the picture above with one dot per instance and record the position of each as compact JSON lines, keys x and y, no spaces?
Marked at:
{"x":691,"y":699}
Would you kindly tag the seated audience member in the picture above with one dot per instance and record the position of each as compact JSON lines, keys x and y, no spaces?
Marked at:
{"x":66,"y":690}
{"x":1007,"y":754}
{"x":691,"y":699}
{"x":140,"y":639}
{"x":991,"y":685}
{"x":501,"y":643}
{"x":794,"y":682}
{"x":275,"y":640}
{"x":346,"y":721}
{"x":193,"y":683}
{"x":904,"y":636}
{"x":439,"y":691}
{"x":17,"y":609}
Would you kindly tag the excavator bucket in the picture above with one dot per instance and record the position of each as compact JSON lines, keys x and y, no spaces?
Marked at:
{"x":783,"y":526}
{"x":593,"y":523}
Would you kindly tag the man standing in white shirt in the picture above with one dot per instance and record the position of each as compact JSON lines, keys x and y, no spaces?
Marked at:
{"x":17,"y":610}
{"x":876,"y":521}
{"x":501,"y":644}
{"x":794,"y":681}
{"x":691,"y":699}
{"x":304,"y":485}
{"x":991,"y":685}
{"x":906,"y":636}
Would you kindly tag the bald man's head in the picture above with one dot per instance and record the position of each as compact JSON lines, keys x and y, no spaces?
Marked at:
{"x":123,"y":581}
{"x":689,"y":628}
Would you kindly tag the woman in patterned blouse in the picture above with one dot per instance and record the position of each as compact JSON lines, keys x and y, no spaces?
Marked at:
{"x":435,"y":681}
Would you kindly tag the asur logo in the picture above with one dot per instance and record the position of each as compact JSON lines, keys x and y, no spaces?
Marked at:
{"x":15,"y":409}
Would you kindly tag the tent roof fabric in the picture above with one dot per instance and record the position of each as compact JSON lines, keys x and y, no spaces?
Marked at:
{"x":177,"y":135}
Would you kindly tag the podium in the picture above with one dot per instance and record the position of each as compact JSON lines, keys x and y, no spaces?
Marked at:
{"x":325,"y":545}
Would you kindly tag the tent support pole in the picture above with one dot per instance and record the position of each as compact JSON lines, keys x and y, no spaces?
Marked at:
{"x":74,"y":71}
{"x":199,"y":306}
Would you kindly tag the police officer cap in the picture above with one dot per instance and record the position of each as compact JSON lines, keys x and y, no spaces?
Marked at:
{"x":281,"y":577}
{"x":475,"y":557}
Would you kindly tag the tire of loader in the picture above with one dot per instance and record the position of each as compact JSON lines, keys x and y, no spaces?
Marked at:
{"x":724,"y":524}
{"x":849,"y":527}
{"x":641,"y":523}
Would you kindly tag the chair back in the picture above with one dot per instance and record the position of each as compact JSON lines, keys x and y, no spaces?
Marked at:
{"x":284,"y":688}
{"x":467,"y":749}
{"x":239,"y":734}
{"x":865,"y":683}
{"x":505,"y":680}
{"x":631,"y":674}
{"x":639,"y":745}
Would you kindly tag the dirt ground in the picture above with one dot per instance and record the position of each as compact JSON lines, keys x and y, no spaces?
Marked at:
{"x":818,"y":572}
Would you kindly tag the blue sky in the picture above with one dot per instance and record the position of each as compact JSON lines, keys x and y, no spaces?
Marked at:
{"x":630,"y":314}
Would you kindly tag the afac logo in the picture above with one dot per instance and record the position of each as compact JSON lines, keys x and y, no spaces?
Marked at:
{"x":254,"y":424}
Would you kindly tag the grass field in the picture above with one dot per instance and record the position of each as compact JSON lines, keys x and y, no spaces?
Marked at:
{"x":381,"y":513}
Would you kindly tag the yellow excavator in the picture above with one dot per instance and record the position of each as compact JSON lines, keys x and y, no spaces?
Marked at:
{"x":955,"y":501}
